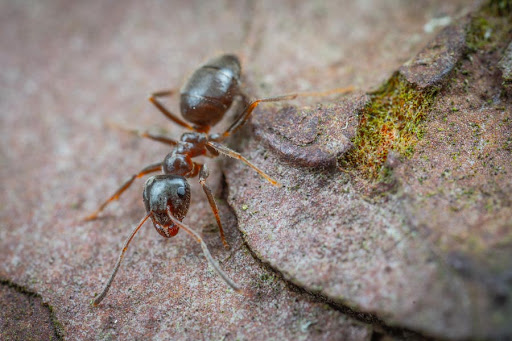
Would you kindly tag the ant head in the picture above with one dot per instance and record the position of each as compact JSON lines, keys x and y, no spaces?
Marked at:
{"x":162,"y":192}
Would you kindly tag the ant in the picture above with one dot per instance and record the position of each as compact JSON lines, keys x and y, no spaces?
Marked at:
{"x":204,"y":100}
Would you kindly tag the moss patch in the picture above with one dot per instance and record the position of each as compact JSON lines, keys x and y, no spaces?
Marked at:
{"x":490,"y":26}
{"x":391,"y":121}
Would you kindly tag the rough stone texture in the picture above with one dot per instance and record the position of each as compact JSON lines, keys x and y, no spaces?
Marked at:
{"x":458,"y":187}
{"x":505,"y":64}
{"x":337,"y":43}
{"x":69,"y":69}
{"x":432,"y":250}
{"x":310,"y":137}
{"x":24,"y":317}
{"x":438,"y":58}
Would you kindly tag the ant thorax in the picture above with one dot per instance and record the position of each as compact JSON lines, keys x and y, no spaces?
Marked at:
{"x":179,"y":160}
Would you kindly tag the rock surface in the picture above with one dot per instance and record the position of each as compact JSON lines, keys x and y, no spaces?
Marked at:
{"x":24,"y":317}
{"x":70,"y":70}
{"x":429,"y":246}
{"x":310,"y":137}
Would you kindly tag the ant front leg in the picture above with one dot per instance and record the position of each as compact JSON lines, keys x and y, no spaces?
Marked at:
{"x":153,"y":98}
{"x":203,"y":175}
{"x":231,"y":153}
{"x":155,"y":167}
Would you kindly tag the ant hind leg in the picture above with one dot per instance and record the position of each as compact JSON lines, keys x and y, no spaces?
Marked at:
{"x":231,"y":153}
{"x":153,"y":98}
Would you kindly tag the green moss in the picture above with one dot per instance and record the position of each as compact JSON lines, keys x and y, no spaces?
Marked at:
{"x":393,"y":118}
{"x":391,"y":121}
{"x":59,"y":328}
{"x":479,"y":34}
{"x":499,"y":7}
{"x":490,"y":26}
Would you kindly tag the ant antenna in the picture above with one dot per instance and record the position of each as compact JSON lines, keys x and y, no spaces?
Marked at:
{"x":206,"y":252}
{"x":121,"y":256}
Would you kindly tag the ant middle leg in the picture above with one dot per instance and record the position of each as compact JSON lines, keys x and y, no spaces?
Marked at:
{"x":145,"y":134}
{"x":153,"y":98}
{"x":155,"y":167}
{"x":231,"y":153}
{"x":159,"y":138}
{"x":203,"y":175}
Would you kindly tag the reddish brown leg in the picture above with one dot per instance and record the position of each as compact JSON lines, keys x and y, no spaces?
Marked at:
{"x":246,"y":114}
{"x":242,"y":119}
{"x":231,"y":153}
{"x":159,"y":138}
{"x":155,"y":167}
{"x":153,"y":98}
{"x":146,"y":134}
{"x":203,"y":175}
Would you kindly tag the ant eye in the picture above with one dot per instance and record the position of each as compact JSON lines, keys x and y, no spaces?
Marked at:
{"x":181,"y":192}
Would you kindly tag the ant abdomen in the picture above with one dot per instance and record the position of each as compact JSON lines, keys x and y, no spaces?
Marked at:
{"x":162,"y":192}
{"x":210,"y":90}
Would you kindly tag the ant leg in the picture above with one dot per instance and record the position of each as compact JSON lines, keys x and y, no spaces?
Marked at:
{"x":203,"y":175}
{"x":231,"y":153}
{"x":206,"y":252}
{"x":244,"y":116}
{"x":145,"y":134}
{"x":119,"y":259}
{"x":158,"y":138}
{"x":153,"y":98}
{"x":155,"y":167}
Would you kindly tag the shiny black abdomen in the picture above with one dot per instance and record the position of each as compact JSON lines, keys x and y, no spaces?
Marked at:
{"x":210,"y":90}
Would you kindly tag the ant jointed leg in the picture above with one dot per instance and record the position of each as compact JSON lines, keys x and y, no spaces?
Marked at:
{"x":206,"y":97}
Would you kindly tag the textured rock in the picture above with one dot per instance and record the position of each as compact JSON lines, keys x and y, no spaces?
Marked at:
{"x":24,"y":317}
{"x":505,"y":64}
{"x":429,"y":248}
{"x":71,"y":69}
{"x":310,"y":137}
{"x":438,"y":58}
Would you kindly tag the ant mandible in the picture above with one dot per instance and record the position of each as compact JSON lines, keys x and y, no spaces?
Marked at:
{"x":204,"y":99}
